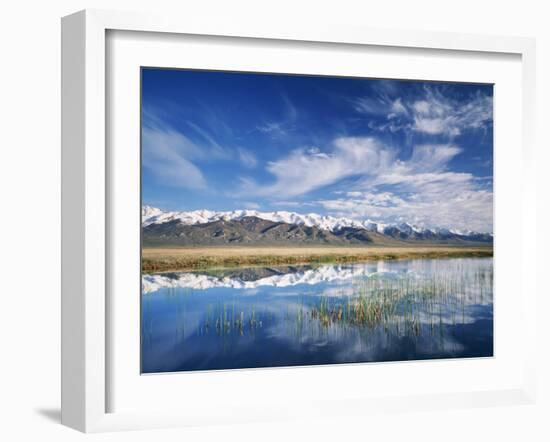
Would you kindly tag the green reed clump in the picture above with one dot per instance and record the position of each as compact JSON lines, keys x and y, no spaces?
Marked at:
{"x":402,"y":303}
{"x":227,"y":321}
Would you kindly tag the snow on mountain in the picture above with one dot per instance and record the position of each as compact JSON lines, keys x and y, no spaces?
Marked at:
{"x":153,"y":215}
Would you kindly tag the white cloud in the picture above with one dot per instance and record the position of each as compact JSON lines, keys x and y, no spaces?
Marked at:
{"x":272,"y":128}
{"x":287,"y":203}
{"x":437,"y":114}
{"x":421,"y":106}
{"x":172,"y":156}
{"x":251,"y":205}
{"x":286,"y":124}
{"x":168,"y":155}
{"x":292,"y":204}
{"x":308,"y":169}
{"x":435,"y":126}
{"x":313,"y":150}
{"x":420,"y":190}
{"x":397,"y":107}
{"x":441,"y":205}
{"x":247,"y":158}
{"x":374,"y":106}
{"x":433,"y":113}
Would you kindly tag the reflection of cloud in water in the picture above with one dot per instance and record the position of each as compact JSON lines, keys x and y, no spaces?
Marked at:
{"x":379,"y":345}
{"x":367,"y":344}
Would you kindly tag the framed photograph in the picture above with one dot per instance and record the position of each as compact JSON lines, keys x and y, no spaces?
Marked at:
{"x":262,"y":222}
{"x":313,"y":220}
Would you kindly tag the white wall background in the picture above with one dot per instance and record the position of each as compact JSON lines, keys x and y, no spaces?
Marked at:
{"x":30,"y":215}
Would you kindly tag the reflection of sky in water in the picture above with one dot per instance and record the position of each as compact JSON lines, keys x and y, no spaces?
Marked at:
{"x":274,"y":316}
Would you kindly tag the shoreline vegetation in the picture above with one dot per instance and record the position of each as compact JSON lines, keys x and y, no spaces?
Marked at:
{"x":164,"y":259}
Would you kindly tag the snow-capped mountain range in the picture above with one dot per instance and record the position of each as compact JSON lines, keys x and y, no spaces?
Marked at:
{"x":152,"y":215}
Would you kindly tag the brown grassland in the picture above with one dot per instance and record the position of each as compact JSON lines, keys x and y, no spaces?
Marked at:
{"x":195,"y":258}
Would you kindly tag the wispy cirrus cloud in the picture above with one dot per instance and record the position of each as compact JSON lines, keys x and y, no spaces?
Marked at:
{"x":286,"y":123}
{"x":307,"y":169}
{"x":169,"y":155}
{"x":247,"y":158}
{"x":272,"y":128}
{"x":437,"y":114}
{"x":173,"y":156}
{"x":431,"y":112}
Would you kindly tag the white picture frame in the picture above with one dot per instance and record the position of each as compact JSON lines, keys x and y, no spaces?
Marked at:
{"x":85,"y":214}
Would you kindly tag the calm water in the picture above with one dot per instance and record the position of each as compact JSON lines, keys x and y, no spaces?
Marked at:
{"x":304,"y":315}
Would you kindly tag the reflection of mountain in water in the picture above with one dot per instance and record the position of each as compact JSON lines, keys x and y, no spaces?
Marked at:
{"x":250,"y":278}
{"x":255,"y":273}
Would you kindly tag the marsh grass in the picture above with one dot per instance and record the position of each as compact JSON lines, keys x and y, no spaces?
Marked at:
{"x":179,"y":259}
{"x":408,"y":305}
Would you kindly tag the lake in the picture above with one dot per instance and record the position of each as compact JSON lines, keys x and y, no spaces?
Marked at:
{"x":310,"y":315}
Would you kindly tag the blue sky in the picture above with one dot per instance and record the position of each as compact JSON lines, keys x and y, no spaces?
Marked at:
{"x":385,"y":150}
